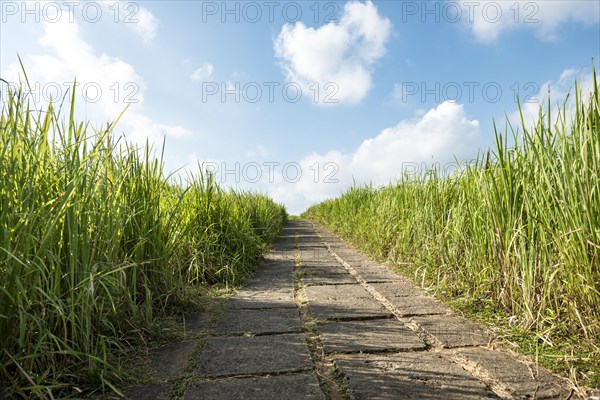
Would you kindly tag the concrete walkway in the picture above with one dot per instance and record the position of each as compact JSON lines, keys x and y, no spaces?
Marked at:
{"x":320,"y":320}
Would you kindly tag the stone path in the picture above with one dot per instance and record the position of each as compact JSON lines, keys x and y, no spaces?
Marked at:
{"x":320,"y":320}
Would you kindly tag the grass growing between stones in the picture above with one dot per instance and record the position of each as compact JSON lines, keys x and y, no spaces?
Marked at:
{"x":324,"y":369}
{"x":569,"y":356}
{"x":520,"y":227}
{"x":97,"y":243}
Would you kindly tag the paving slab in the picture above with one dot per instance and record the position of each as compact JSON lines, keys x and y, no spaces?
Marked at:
{"x":329,"y":237}
{"x":337,"y":292}
{"x":159,"y":391}
{"x":276,"y":362}
{"x":454,"y":331}
{"x":397,"y":289}
{"x":312,"y":244}
{"x":417,"y":305}
{"x":305,"y":238}
{"x":262,"y":299}
{"x":282,"y":266}
{"x":362,"y":262}
{"x":412,"y":375}
{"x":277,"y":285}
{"x":308,"y":242}
{"x":282,"y":256}
{"x":362,"y":308}
{"x":196,"y":323}
{"x":270,"y":286}
{"x":313,"y":252}
{"x":275,"y":278}
{"x":169,"y":361}
{"x":328,"y":279}
{"x":317,"y":255}
{"x":259,"y":321}
{"x":316,"y":252}
{"x":238,"y":355}
{"x":250,"y":293}
{"x":308,"y":263}
{"x":377,"y":274}
{"x":320,"y":270}
{"x":286,"y":246}
{"x":355,"y":261}
{"x":348,"y":251}
{"x":288,"y":234}
{"x":256,"y":290}
{"x":277,"y":266}
{"x":297,"y":386}
{"x":319,"y":250}
{"x":333,"y":239}
{"x":278,"y":259}
{"x":368,"y":336}
{"x":345,"y":250}
{"x":518,"y":378}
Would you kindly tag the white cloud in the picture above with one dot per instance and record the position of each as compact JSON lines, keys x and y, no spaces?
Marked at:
{"x":489,"y":19}
{"x":339,"y":52}
{"x":203,"y":73}
{"x":401,"y":92}
{"x":139,"y":19}
{"x":146,"y":26}
{"x":556,"y":92}
{"x":323,"y":176}
{"x":106,"y":85}
{"x":439,"y":137}
{"x":140,"y":127}
{"x":68,"y":57}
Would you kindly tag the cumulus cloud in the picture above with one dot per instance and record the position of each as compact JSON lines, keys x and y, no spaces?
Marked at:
{"x":203,"y":73}
{"x":560,"y":93}
{"x":339,"y":52}
{"x":139,"y":19}
{"x":146,"y":25}
{"x":105,"y":84}
{"x":489,"y":19}
{"x":440,"y":137}
{"x":142,"y":127}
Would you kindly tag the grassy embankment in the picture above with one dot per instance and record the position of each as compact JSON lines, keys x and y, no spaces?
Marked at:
{"x":513,"y":240}
{"x":96,"y":243}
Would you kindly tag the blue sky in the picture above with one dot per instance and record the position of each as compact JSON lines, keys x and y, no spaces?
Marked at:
{"x":300,"y":99}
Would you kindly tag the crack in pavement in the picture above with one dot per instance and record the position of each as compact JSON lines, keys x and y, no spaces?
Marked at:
{"x":322,"y":321}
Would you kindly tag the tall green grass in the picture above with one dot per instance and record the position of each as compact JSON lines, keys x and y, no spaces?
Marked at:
{"x":96,"y":241}
{"x":520,"y":226}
